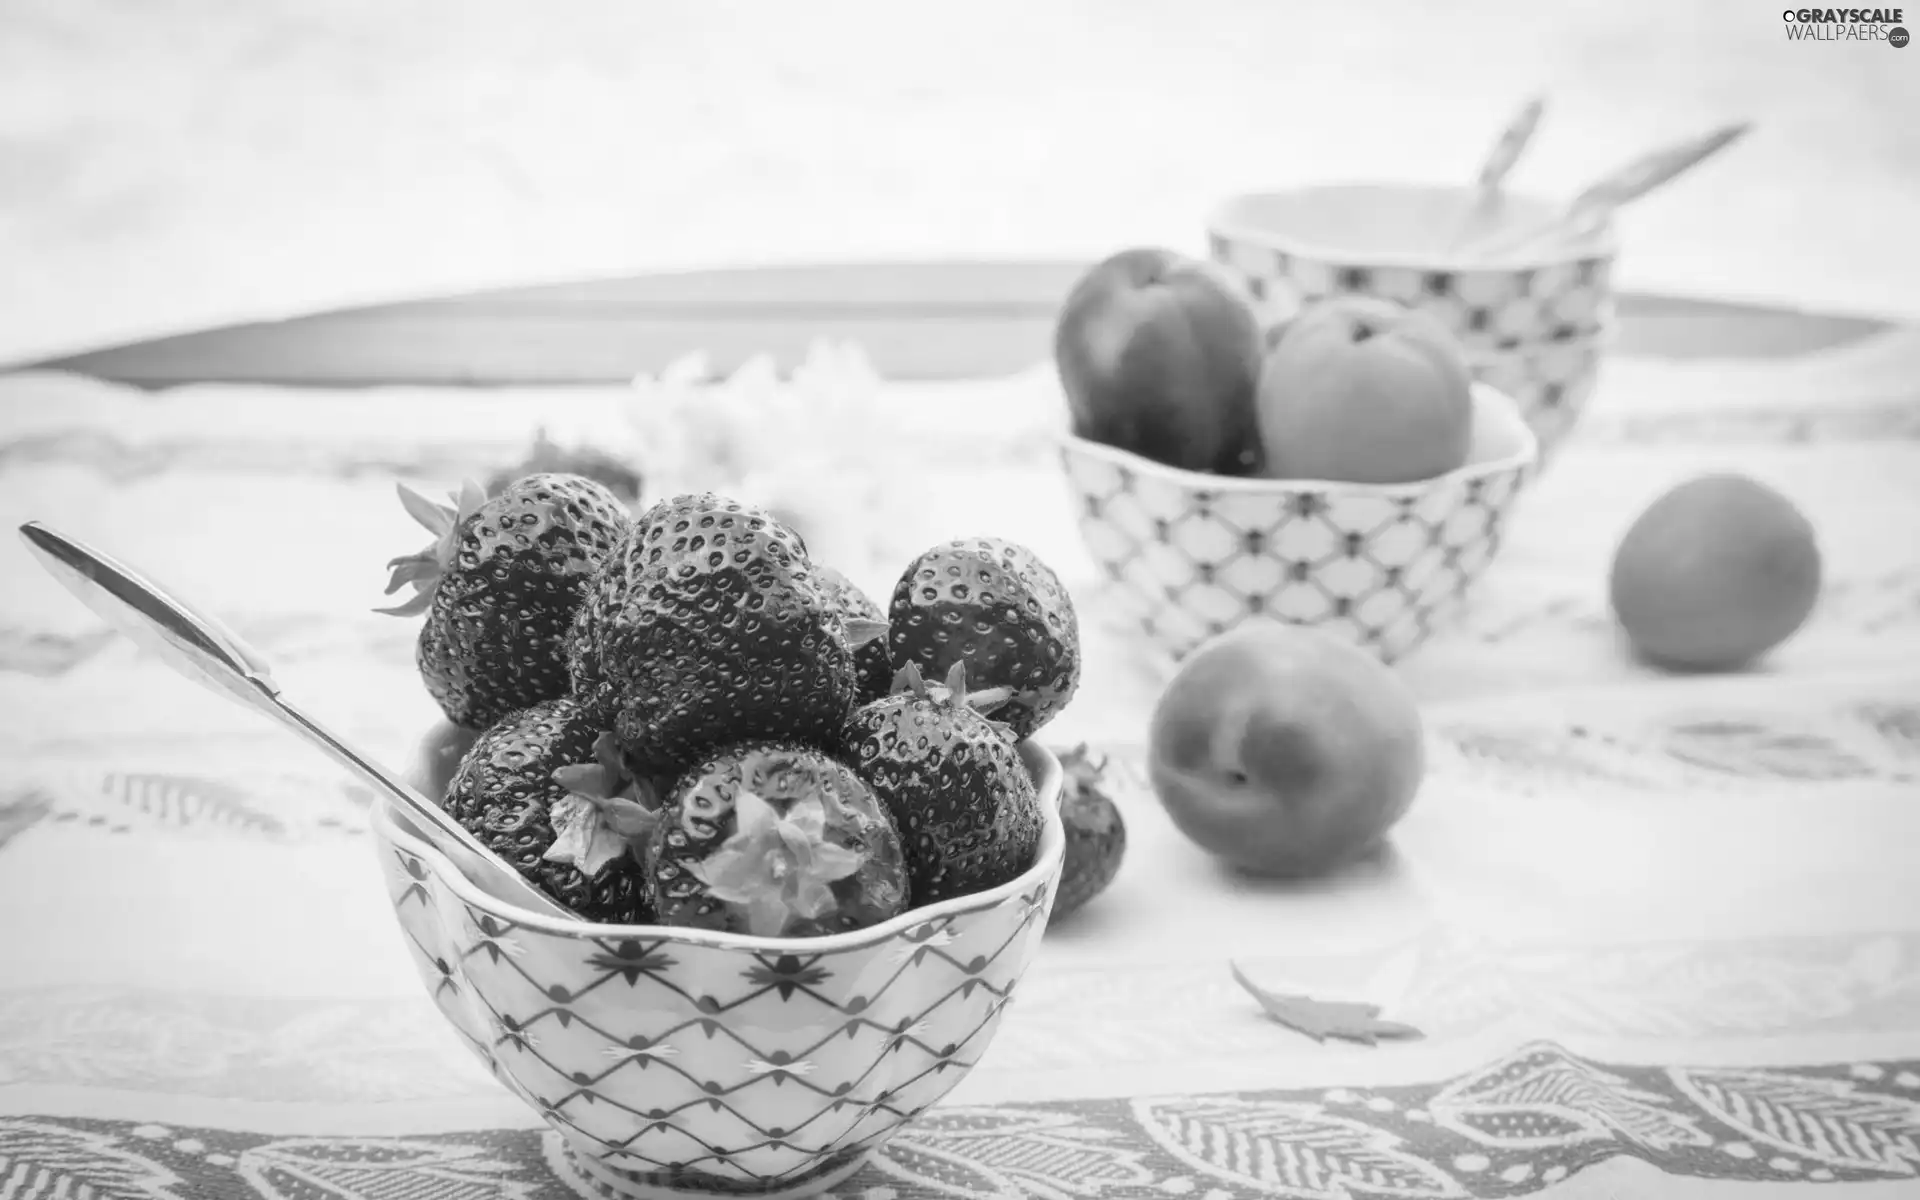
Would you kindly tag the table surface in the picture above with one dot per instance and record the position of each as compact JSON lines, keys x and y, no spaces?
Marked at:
{"x":1662,"y":934}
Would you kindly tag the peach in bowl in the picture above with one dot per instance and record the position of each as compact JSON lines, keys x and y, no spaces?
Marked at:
{"x":1408,"y":243}
{"x":679,"y":1061}
{"x":1186,"y":555}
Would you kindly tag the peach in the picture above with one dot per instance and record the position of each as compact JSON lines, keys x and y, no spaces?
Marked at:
{"x":1158,"y":354}
{"x":1283,"y":750}
{"x":1714,"y":574}
{"x":1362,"y":390}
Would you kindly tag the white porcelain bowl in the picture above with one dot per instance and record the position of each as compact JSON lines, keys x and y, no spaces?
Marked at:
{"x":680,"y":1062}
{"x":1399,"y":242}
{"x":1188,"y":555}
{"x":1550,"y":381}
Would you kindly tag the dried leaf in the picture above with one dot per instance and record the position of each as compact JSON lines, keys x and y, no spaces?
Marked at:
{"x":1323,"y":1019}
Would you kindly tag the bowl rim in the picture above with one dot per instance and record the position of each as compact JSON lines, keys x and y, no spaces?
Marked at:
{"x":1489,"y":398}
{"x":1049,"y":779}
{"x":1224,"y":222}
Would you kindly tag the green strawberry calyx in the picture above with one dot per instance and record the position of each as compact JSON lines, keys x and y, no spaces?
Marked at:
{"x":777,"y":865}
{"x":952,"y":694}
{"x":605,"y":813}
{"x":424,"y":568}
{"x":861,"y":630}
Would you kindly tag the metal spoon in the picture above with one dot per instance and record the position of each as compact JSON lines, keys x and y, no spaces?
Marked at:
{"x":1615,"y":190}
{"x":1499,"y":163}
{"x":205,"y":651}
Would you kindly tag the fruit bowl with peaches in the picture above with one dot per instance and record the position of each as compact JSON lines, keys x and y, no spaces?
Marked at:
{"x":806,"y":846}
{"x":1344,"y":471}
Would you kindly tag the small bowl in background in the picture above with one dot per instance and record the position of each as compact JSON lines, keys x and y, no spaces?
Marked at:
{"x":1188,"y":555}
{"x":681,"y":1062}
{"x":1395,"y":242}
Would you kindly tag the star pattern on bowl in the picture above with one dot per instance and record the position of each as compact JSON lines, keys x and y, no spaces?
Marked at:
{"x":689,"y":1066}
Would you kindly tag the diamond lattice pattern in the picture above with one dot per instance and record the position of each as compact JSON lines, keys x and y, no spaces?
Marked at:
{"x":1377,"y":569}
{"x":667,"y":1061}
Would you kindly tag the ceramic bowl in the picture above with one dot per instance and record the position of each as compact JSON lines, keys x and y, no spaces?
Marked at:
{"x":1187,"y":555}
{"x":677,"y":1062}
{"x":1550,"y":381}
{"x":1396,"y":242}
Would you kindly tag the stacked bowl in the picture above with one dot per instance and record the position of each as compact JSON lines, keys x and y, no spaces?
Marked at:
{"x":1186,"y":555}
{"x":1534,"y":326}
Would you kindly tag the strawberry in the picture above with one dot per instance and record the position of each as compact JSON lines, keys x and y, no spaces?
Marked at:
{"x":953,"y":782}
{"x":499,"y":586}
{"x":1096,"y":834}
{"x":775,"y":840}
{"x":872,"y":669}
{"x":544,"y":790}
{"x":995,"y":606}
{"x":710,"y":626}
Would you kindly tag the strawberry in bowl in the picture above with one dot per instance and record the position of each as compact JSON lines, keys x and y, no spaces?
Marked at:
{"x":797,"y":928}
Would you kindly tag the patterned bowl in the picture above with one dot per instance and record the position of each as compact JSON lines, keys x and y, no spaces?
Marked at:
{"x":1551,"y":382}
{"x":1393,"y":241}
{"x":1188,"y":555}
{"x":678,"y":1062}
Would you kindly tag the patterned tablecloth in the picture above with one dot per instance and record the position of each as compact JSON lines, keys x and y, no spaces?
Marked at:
{"x":1663,"y":935}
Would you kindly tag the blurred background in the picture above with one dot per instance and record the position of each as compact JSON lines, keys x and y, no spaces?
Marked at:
{"x":169,"y":164}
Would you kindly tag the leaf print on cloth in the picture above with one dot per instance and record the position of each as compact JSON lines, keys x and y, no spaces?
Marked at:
{"x":186,"y":800}
{"x":40,"y":1160}
{"x":1750,"y":748}
{"x":48,"y":655}
{"x":379,"y":1169}
{"x":1295,"y":1151}
{"x":1897,"y":723}
{"x":20,"y":812}
{"x":1829,"y":1120}
{"x":1541,"y":1098}
{"x":967,"y":1152}
{"x":235,"y":1048}
{"x":1549,"y":758}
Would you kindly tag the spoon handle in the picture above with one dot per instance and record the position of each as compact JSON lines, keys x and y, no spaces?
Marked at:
{"x":207,"y":652}
{"x":1618,"y":188}
{"x":1654,"y":169}
{"x":1511,"y":144}
{"x":1495,"y":168}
